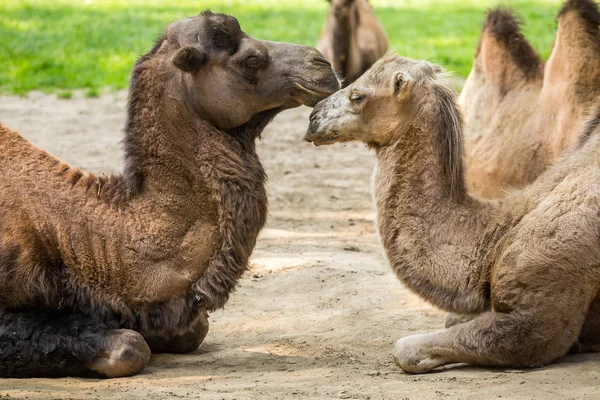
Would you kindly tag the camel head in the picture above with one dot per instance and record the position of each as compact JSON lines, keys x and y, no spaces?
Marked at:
{"x":378,"y":107}
{"x":228,"y":77}
{"x":341,"y":8}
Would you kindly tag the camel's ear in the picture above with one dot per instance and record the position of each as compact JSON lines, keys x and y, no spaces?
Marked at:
{"x":436,"y":68}
{"x":189,"y":59}
{"x":400,"y":83}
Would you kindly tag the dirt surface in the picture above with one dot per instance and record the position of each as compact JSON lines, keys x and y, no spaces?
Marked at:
{"x":320,"y":311}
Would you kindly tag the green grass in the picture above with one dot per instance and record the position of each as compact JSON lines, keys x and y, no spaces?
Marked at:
{"x":92,"y":44}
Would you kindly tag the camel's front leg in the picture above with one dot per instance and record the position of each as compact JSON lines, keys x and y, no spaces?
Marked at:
{"x":589,"y":338}
{"x":53,"y":344}
{"x":491,"y":339}
{"x":181,"y":342}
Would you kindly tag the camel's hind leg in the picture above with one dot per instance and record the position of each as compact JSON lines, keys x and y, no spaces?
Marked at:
{"x":52,"y":345}
{"x":492,"y":339}
{"x":589,"y":338}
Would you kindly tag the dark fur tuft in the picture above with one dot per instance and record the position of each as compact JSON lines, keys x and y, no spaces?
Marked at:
{"x":586,"y":9}
{"x":505,"y":27}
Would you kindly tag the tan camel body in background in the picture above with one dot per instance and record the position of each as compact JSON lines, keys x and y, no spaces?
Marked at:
{"x":532,"y":258}
{"x":352,"y":38}
{"x":521,"y":115}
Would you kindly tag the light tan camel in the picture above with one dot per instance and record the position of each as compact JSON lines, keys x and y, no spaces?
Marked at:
{"x":532,"y":257}
{"x":95,"y":271}
{"x":521,"y":114}
{"x":352,"y":38}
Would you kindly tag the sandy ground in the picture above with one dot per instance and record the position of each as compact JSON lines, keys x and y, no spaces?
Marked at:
{"x":318,"y":314}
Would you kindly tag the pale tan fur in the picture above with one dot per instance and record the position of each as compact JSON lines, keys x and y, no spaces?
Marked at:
{"x":531,"y":258}
{"x":521,"y":115}
{"x":352,"y":38}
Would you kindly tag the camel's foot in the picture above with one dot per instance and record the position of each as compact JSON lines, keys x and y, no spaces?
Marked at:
{"x":490,"y":339}
{"x":182,"y":343}
{"x":126,"y":353}
{"x":412,"y":356}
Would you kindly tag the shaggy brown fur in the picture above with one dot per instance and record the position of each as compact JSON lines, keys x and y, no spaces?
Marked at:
{"x":83,"y":256}
{"x":531,"y":258}
{"x":352,"y":38}
{"x":521,"y":114}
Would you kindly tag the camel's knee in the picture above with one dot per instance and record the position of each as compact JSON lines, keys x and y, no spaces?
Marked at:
{"x":182,"y":343}
{"x":126,"y":353}
{"x":455,"y":319}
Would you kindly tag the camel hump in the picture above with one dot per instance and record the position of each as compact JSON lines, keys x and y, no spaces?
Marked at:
{"x":578,"y":23}
{"x":586,"y":10}
{"x":576,"y":52}
{"x":503,"y":51}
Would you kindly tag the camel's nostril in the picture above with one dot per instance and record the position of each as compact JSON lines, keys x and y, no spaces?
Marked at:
{"x":322,"y":60}
{"x":313,"y":113}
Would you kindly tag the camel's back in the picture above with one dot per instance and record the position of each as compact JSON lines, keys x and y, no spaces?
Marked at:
{"x":556,"y":238}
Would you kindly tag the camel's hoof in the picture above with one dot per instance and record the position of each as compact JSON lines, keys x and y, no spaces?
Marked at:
{"x":126,"y":353}
{"x":410,"y":355}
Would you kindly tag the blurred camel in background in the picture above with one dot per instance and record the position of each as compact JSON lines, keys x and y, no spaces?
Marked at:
{"x":352,"y":38}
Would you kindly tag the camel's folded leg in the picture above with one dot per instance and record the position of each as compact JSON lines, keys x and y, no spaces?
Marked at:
{"x":47,"y":344}
{"x":183,"y":342}
{"x":455,"y":319}
{"x":589,"y":338}
{"x":491,"y":339}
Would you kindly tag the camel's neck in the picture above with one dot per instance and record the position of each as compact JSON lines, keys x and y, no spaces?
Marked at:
{"x":432,"y":236}
{"x":172,"y":152}
{"x":160,"y":138}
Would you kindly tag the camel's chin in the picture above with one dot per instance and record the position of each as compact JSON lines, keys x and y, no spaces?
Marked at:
{"x":321,"y":140}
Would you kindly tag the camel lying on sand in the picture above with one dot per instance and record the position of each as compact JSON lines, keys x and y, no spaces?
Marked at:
{"x":531,"y":258}
{"x":352,"y":38}
{"x":95,"y":271}
{"x":520,"y":114}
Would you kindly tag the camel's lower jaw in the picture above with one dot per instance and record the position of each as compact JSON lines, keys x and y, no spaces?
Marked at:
{"x":310,"y":96}
{"x":320,"y":139}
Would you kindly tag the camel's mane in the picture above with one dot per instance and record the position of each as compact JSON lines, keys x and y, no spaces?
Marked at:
{"x":448,"y":124}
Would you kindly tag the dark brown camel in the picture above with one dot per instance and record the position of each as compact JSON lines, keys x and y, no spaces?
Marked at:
{"x":352,"y":38}
{"x":96,"y":271}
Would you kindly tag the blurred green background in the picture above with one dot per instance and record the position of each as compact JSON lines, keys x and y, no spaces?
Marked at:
{"x":60,"y":45}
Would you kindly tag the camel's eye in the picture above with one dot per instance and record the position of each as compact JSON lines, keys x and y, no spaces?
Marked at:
{"x":252,"y":63}
{"x":356,"y":98}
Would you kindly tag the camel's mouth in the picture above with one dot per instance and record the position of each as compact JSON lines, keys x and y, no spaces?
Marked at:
{"x":322,"y":139}
{"x":319,"y":136}
{"x":309,"y":94}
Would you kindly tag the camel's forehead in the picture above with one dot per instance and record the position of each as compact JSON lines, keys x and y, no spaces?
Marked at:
{"x":220,"y":31}
{"x":385,"y":68}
